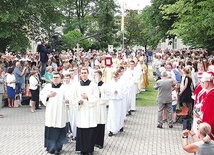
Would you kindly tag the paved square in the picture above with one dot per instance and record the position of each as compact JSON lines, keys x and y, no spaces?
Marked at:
{"x":22,"y":133}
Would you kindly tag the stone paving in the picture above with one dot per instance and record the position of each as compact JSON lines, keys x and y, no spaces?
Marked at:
{"x":22,"y":133}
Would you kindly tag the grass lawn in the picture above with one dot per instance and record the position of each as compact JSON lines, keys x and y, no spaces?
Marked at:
{"x":148,"y":97}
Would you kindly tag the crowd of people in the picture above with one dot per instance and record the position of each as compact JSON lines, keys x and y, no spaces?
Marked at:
{"x":76,"y":87}
{"x":186,"y":78}
{"x":86,"y":90}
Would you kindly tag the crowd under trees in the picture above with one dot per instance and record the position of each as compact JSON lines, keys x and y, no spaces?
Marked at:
{"x":93,"y":23}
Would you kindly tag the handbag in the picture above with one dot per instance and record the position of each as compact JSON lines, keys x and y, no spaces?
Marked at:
{"x":17,"y":101}
{"x":4,"y":96}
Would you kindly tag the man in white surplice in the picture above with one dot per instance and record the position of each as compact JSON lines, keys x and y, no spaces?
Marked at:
{"x":86,"y":98}
{"x":101,"y":109}
{"x":53,"y":97}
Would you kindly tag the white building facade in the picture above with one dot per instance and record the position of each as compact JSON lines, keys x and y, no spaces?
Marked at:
{"x":172,"y":44}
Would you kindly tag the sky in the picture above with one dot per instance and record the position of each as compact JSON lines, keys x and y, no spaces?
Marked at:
{"x":134,"y":4}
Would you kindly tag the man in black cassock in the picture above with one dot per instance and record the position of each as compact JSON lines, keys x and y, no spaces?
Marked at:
{"x":86,"y":97}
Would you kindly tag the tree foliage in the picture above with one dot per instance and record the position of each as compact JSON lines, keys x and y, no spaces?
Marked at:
{"x":21,"y":21}
{"x":150,"y":26}
{"x":196,"y":22}
{"x":131,"y":27}
{"x":77,"y":14}
{"x":73,"y":37}
{"x":157,"y":23}
{"x":93,"y":18}
{"x":104,"y":16}
{"x":149,"y":33}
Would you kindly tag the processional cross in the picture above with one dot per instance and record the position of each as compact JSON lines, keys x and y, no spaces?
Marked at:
{"x":78,"y":49}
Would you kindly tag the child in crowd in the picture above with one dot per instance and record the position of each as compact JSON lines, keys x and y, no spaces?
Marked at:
{"x":174,"y":103}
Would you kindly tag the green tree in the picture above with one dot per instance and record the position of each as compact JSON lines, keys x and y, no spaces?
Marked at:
{"x":149,"y":26}
{"x":21,"y":21}
{"x":131,"y":27}
{"x":139,"y":29}
{"x":74,"y":37}
{"x":104,"y":16}
{"x":195,"y":22}
{"x":147,"y":32}
{"x":77,"y":14}
{"x":154,"y":26}
{"x":93,"y":18}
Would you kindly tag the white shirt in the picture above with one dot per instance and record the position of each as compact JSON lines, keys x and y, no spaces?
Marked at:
{"x":33,"y":83}
{"x":10,"y":78}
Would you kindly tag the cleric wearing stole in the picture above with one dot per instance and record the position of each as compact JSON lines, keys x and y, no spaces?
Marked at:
{"x":86,"y":98}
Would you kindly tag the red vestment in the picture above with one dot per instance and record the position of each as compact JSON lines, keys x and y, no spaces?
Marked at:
{"x":208,"y":110}
{"x":200,"y":94}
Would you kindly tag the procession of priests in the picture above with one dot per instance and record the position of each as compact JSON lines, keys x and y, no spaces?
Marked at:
{"x":88,"y":99}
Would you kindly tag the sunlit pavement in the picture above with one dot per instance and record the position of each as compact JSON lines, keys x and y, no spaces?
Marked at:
{"x":22,"y":133}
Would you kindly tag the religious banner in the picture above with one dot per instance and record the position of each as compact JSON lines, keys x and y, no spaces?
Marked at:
{"x":110,"y":48}
{"x":108,"y":60}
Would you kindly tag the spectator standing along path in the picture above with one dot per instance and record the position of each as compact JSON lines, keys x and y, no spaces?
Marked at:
{"x":164,"y":99}
{"x":43,"y":56}
{"x":1,"y":88}
{"x":19,"y":75}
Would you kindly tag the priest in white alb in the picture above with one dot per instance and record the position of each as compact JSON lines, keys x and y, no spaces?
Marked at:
{"x":133,"y":81}
{"x":115,"y":104}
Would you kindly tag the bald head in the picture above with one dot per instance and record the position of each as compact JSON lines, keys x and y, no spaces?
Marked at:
{"x":18,"y":64}
{"x":164,"y":74}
